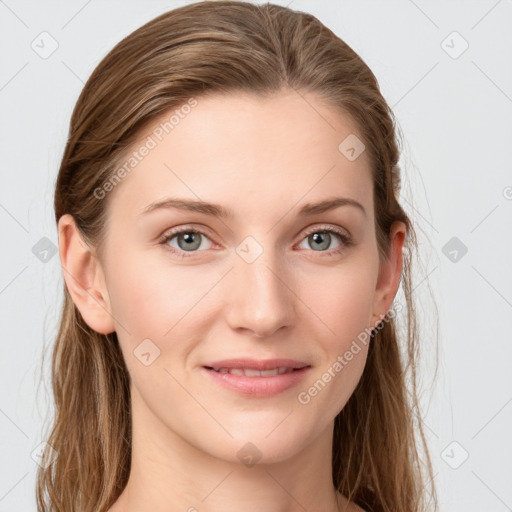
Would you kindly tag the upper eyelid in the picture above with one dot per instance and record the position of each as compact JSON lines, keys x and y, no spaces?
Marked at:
{"x":327,"y":227}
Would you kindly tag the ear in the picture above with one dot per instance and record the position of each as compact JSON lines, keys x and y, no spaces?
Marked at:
{"x":390,"y":272}
{"x":84,"y":277}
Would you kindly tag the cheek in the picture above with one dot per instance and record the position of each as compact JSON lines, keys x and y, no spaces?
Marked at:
{"x":148,"y":301}
{"x":340,"y":299}
{"x":163,"y":302}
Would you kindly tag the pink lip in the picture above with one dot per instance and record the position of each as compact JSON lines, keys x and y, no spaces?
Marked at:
{"x":257,"y":386}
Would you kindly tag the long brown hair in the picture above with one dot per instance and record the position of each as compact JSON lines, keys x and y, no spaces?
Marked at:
{"x":203,"y":48}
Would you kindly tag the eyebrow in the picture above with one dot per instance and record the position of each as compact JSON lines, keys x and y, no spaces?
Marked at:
{"x":216,"y":210}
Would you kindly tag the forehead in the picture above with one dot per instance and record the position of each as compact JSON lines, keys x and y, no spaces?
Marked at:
{"x":246,"y":151}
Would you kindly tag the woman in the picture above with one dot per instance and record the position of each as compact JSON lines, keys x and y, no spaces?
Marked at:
{"x":210,"y":356}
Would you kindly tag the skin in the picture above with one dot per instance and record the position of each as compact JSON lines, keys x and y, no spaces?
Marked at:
{"x":263,"y":159}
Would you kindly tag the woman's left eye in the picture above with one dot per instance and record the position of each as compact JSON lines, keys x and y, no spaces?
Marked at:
{"x":322,"y":238}
{"x":190,"y":241}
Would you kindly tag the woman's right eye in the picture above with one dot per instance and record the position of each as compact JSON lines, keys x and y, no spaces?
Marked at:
{"x":186,"y":240}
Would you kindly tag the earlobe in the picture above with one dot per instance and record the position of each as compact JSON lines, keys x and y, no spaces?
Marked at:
{"x":390,"y":273}
{"x":84,"y":277}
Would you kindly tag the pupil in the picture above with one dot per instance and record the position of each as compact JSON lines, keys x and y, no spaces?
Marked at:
{"x":189,"y":241}
{"x":319,"y":237}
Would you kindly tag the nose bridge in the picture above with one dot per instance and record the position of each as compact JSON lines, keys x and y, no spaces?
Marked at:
{"x":259,"y":297}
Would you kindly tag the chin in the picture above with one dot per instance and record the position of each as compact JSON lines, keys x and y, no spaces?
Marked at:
{"x":251,"y":446}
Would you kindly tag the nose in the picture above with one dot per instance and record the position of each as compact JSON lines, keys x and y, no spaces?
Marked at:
{"x":260,"y":296}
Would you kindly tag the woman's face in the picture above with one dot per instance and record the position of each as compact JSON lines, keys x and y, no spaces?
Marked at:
{"x":271,"y":279}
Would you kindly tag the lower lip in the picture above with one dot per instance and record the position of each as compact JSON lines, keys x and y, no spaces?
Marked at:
{"x":258,"y":386}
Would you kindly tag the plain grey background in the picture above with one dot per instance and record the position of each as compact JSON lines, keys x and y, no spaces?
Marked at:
{"x":445,"y":69}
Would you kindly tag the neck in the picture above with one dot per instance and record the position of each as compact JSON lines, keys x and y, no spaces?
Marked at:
{"x":170,"y":474}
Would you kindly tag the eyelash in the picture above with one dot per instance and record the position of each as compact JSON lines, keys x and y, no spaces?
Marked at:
{"x":345,"y":239}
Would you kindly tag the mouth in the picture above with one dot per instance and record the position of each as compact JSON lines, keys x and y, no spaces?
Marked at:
{"x":257,"y":378}
{"x":251,"y":372}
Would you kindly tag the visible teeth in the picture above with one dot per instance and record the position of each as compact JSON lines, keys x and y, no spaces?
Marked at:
{"x":236,"y":371}
{"x":268,"y":373}
{"x":249,"y":372}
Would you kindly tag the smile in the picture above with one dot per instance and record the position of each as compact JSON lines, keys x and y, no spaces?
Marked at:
{"x":256,"y":377}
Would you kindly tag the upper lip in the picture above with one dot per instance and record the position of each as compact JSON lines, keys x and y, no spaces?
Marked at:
{"x":256,"y":364}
